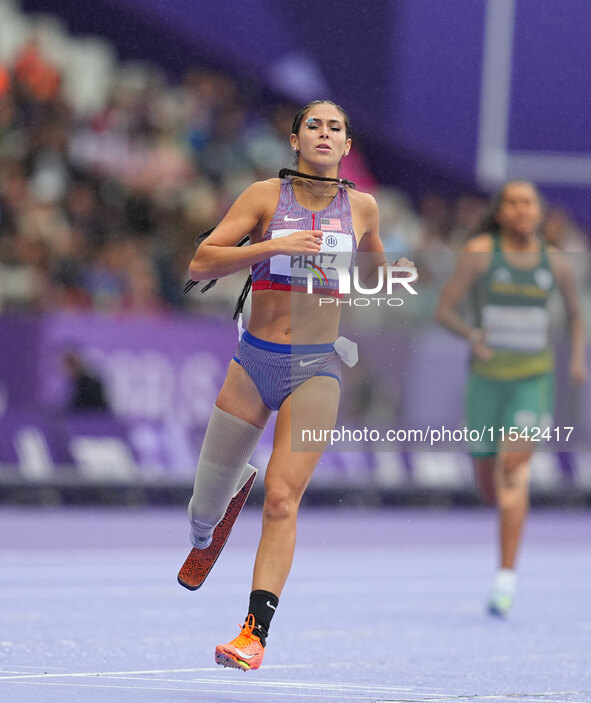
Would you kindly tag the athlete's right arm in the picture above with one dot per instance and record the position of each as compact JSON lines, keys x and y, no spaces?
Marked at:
{"x":472,"y":263}
{"x":218,"y":256}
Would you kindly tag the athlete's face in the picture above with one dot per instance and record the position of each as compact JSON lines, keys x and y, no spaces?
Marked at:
{"x":520,"y":210}
{"x":321,"y":139}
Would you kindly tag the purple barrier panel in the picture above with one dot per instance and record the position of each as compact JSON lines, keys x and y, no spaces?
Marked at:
{"x":30,"y":444}
{"x":434,"y":379}
{"x":19,"y":337}
{"x":372,"y":389}
{"x":103,"y":449}
{"x":167,"y":369}
{"x":98,"y":447}
{"x":163,"y":374}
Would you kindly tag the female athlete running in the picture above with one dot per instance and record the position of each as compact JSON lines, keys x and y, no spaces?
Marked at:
{"x":286,"y":356}
{"x":511,"y":383}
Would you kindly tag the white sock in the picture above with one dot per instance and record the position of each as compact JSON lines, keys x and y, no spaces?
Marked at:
{"x":505,"y":581}
{"x":201,"y":535}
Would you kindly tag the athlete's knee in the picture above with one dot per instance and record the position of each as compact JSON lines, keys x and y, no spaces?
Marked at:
{"x":514,"y":462}
{"x":512,"y":483}
{"x":484,"y":469}
{"x":513,"y":471}
{"x":279,"y":505}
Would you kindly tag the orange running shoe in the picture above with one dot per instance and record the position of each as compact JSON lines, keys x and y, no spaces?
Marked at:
{"x":243,"y":652}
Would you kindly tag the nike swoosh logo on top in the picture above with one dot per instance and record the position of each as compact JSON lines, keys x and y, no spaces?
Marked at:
{"x":271,"y":605}
{"x":292,"y":219}
{"x":307,"y":363}
{"x":243,"y":655}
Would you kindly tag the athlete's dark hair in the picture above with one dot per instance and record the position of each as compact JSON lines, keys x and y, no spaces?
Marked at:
{"x":297,"y":120}
{"x":489,"y":223}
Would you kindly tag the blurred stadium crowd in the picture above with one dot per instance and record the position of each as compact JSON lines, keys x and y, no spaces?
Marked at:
{"x":107,"y":175}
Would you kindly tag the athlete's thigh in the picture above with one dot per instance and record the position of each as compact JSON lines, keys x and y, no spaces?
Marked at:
{"x":313,"y":405}
{"x":239,"y":397}
{"x":531,"y":403}
{"x":527,"y":414}
{"x":484,"y":412}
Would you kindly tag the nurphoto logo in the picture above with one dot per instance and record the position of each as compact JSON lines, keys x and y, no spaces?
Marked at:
{"x":389,"y":277}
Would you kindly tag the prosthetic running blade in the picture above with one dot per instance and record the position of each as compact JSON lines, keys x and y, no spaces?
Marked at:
{"x":200,"y":561}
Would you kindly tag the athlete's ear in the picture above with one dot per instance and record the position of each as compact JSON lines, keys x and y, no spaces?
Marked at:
{"x":347,"y":147}
{"x":294,"y":141}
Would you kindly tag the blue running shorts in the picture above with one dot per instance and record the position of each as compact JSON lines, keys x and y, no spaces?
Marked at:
{"x":278,"y":369}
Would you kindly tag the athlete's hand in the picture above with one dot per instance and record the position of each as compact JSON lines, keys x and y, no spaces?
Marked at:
{"x":407,"y":264}
{"x":578,"y":372}
{"x":479,"y":348}
{"x":306,"y":241}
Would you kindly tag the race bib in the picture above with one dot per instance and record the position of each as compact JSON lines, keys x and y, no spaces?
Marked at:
{"x":516,"y":328}
{"x":336,"y":252}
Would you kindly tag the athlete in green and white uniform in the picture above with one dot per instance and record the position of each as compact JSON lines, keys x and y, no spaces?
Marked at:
{"x":514,"y":388}
{"x":511,"y":384}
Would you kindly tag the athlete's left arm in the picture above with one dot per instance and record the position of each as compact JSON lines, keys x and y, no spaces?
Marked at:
{"x":371,"y":249}
{"x":565,"y":279}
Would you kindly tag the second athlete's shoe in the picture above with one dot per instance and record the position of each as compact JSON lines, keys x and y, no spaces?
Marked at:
{"x":500,"y":603}
{"x":243,"y":652}
{"x":503,"y":593}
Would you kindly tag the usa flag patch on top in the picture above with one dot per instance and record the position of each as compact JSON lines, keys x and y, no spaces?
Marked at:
{"x":329,"y":224}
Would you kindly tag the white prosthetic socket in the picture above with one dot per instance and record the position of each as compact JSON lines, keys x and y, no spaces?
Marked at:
{"x":222,"y":469}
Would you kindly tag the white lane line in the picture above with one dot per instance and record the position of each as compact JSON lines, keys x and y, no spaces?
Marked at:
{"x":335,"y":687}
{"x":520,"y":697}
{"x":300,"y":694}
{"x":417,"y":698}
{"x":73,"y":674}
{"x":504,"y":698}
{"x":135,"y":675}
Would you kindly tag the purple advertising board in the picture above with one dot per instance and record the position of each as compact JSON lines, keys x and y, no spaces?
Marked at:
{"x":162,"y":375}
